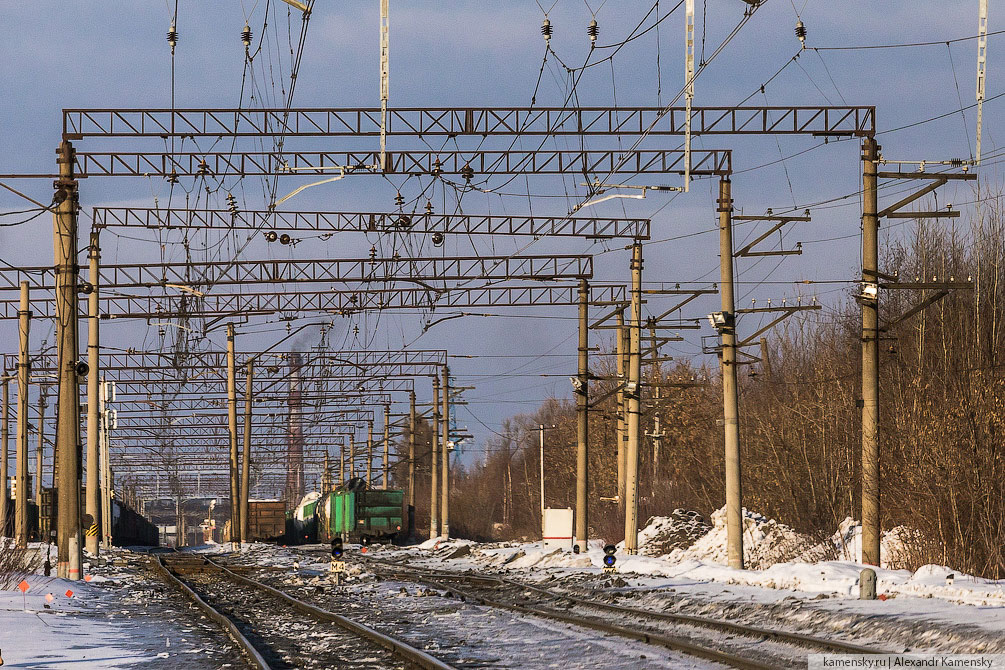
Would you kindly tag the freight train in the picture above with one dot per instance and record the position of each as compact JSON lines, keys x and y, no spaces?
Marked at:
{"x":353,"y":512}
{"x":128,"y":528}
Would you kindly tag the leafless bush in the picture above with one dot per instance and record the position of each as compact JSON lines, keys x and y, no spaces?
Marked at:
{"x":16,"y":563}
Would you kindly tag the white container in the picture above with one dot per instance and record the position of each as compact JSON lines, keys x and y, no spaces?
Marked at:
{"x":558,"y":528}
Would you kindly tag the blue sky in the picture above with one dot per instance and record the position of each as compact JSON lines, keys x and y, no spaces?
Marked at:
{"x":77,"y":53}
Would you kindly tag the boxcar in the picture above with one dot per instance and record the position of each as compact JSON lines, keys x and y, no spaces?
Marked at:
{"x":359,"y":514}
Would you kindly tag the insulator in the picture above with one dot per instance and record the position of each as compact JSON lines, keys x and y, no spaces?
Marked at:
{"x":801,"y":32}
{"x":172,"y":36}
{"x":403,"y":221}
{"x":956,"y":162}
{"x":172,"y":178}
{"x":593,"y":30}
{"x":546,"y":29}
{"x":285,"y":239}
{"x":437,"y":239}
{"x":271,"y":236}
{"x":437,"y":168}
{"x":429,"y":207}
{"x":373,"y":253}
{"x":246,"y":35}
{"x":399,"y":200}
{"x":203,"y":168}
{"x":467,"y":172}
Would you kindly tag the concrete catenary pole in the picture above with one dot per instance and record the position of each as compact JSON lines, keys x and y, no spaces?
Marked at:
{"x":369,"y":453}
{"x":40,"y":449}
{"x":434,"y":512}
{"x":870,"y":356}
{"x":387,"y":447}
{"x":730,"y":400}
{"x":445,"y":460}
{"x":540,"y":429}
{"x":621,"y":341}
{"x":411,"y":463}
{"x":21,"y":465}
{"x":235,"y":512}
{"x":93,"y":349}
{"x":4,"y":464}
{"x":634,"y":392}
{"x":582,"y":419}
{"x":246,"y":455}
{"x":68,"y":446}
{"x":104,"y":425}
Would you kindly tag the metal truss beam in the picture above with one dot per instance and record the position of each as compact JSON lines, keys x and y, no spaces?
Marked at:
{"x":505,"y":121}
{"x":340,"y":302}
{"x":368,"y":222}
{"x":158,"y":361}
{"x":341,"y":271}
{"x":706,"y":163}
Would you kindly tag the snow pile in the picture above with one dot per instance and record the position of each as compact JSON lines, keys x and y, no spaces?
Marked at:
{"x":765,"y":542}
{"x":664,"y":534}
{"x":894,"y":545}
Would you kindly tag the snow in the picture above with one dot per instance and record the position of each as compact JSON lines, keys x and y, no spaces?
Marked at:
{"x":790,"y":577}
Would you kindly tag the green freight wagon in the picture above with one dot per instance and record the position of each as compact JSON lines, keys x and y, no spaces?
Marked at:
{"x":363,"y":515}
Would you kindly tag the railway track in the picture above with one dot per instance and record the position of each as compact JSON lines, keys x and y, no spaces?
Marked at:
{"x":277,"y":631}
{"x":734,"y":644}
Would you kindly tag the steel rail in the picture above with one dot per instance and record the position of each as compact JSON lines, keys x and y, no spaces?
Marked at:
{"x":648,"y":637}
{"x":705,"y":622}
{"x":232,"y":631}
{"x":401,"y":649}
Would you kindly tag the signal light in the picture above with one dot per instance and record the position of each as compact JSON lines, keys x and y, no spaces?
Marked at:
{"x":609,"y":558}
{"x":337,"y":550}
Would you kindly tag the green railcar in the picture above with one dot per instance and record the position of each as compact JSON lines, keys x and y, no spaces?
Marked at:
{"x":362,"y":515}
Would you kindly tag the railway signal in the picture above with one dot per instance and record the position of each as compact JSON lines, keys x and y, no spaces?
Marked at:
{"x":338,"y":564}
{"x":610,"y":559}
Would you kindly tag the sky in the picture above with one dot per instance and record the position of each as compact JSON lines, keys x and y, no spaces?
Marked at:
{"x":83,"y":54}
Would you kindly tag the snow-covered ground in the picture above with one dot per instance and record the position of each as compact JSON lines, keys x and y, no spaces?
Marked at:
{"x":798,"y":583}
{"x":120,"y":617}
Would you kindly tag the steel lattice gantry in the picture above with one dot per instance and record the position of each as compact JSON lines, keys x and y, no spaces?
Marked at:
{"x":370,"y":222}
{"x":477,"y":121}
{"x":306,"y":299}
{"x":365,"y":270}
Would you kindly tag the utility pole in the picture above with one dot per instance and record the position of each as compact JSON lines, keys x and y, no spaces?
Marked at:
{"x":621,"y":399}
{"x":40,"y":451}
{"x":445,"y":462}
{"x":68,"y":403}
{"x":541,"y":442}
{"x":385,"y":35}
{"x":246,"y":456}
{"x":582,"y":419}
{"x":633,"y":390}
{"x":387,"y":437}
{"x":411,"y":463}
{"x":656,"y":436}
{"x":91,"y":533}
{"x":4,"y":465}
{"x":235,"y":512}
{"x":105,"y":426}
{"x":730,"y":400}
{"x":434,"y":518}
{"x":369,"y":453}
{"x":870,"y":355}
{"x":23,"y":368}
